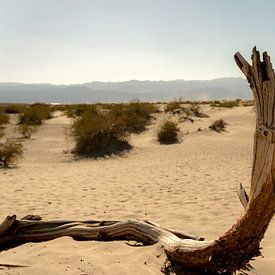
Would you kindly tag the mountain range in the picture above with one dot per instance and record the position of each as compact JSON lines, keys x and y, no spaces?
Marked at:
{"x":222,"y":88}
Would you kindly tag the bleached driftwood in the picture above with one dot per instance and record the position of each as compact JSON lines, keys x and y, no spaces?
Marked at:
{"x":231,"y":251}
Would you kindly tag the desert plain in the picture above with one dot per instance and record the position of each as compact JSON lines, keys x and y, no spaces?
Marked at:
{"x":190,"y":186}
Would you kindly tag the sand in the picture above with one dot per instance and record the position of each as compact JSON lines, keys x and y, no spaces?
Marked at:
{"x":189,"y":186}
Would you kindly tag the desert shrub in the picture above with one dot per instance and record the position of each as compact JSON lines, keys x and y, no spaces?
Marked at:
{"x":215,"y":103}
{"x":1,"y":132}
{"x":137,"y":115}
{"x":57,"y":107}
{"x":218,"y":125}
{"x":35,"y":114}
{"x":134,"y":116}
{"x":97,"y":134}
{"x":205,"y":102}
{"x":4,"y":118}
{"x":196,"y":111}
{"x":106,"y":105}
{"x":14,"y":108}
{"x":76,"y":110}
{"x":172,"y":106}
{"x":27,"y":130}
{"x":10,"y":152}
{"x":248,"y":103}
{"x":225,"y":104}
{"x":44,"y":109}
{"x":168,"y":133}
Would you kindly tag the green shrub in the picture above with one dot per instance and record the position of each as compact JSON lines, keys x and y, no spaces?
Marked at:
{"x":96,"y":134}
{"x":218,"y":125}
{"x":10,"y":152}
{"x":168,"y":133}
{"x":27,"y":130}
{"x":4,"y":118}
{"x":35,"y":114}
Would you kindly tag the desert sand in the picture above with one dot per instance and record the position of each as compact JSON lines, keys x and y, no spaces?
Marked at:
{"x":189,"y":186}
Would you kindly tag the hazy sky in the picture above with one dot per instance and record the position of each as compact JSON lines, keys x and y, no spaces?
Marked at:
{"x":76,"y":41}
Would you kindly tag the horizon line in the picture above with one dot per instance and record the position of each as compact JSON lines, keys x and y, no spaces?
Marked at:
{"x":123,"y":81}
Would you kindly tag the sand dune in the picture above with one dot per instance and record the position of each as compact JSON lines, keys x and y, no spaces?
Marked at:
{"x":188,"y":186}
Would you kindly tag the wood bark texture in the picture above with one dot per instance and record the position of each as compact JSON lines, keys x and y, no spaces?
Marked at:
{"x":230,"y":252}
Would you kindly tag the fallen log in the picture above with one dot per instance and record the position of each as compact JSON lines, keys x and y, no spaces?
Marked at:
{"x":230,"y":252}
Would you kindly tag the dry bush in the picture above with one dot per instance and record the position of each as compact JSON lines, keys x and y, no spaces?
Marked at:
{"x":134,"y":116}
{"x":172,"y":106}
{"x":58,"y":107}
{"x":176,"y":108}
{"x":225,"y":104}
{"x":35,"y":114}
{"x":10,"y":152}
{"x":218,"y":125}
{"x":96,"y":134}
{"x":247,"y":103}
{"x":4,"y":118}
{"x":14,"y":108}
{"x":196,"y":111}
{"x":104,"y":129}
{"x":1,"y":132}
{"x":27,"y":130}
{"x":168,"y":133}
{"x":76,"y":110}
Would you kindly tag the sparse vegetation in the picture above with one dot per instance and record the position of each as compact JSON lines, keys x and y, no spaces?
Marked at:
{"x":10,"y":152}
{"x":1,"y":132}
{"x":134,"y":116}
{"x":225,"y":103}
{"x":76,"y":110}
{"x":196,"y":111}
{"x":14,"y":108}
{"x":35,"y":114}
{"x":186,"y":112}
{"x":27,"y":130}
{"x":4,"y":118}
{"x":218,"y":125}
{"x":97,"y":134}
{"x":168,"y":133}
{"x":172,"y":106}
{"x":248,"y":103}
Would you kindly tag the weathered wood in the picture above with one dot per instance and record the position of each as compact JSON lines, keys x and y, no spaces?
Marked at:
{"x":12,"y":265}
{"x":25,"y":231}
{"x":243,"y":197}
{"x":231,"y":251}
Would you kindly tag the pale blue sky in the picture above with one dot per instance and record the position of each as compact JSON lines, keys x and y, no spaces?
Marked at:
{"x":76,"y":41}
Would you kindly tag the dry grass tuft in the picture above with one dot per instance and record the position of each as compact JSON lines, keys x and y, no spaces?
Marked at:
{"x":10,"y":152}
{"x":218,"y":125}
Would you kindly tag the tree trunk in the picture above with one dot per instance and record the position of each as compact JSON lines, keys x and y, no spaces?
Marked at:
{"x":233,"y":250}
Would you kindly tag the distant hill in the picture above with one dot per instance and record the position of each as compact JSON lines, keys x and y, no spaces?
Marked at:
{"x":222,"y":88}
